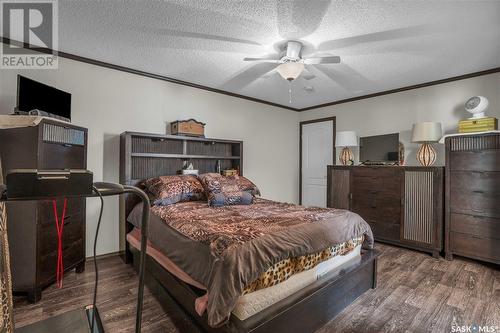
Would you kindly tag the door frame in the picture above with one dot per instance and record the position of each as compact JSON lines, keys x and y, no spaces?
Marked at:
{"x":302,"y":123}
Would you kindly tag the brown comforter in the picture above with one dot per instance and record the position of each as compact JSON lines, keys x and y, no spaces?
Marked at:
{"x":242,"y":242}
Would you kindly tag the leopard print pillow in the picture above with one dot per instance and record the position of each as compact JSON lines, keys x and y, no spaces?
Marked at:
{"x":224,"y":191}
{"x":167,"y":190}
{"x":245,"y":185}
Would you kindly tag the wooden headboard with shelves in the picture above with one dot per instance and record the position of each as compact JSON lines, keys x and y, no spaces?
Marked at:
{"x":145,"y":155}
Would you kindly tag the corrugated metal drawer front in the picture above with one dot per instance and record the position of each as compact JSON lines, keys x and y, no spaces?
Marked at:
{"x":470,"y":143}
{"x":419,"y":206}
{"x":64,"y":135}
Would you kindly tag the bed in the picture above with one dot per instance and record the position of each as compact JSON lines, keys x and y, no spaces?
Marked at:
{"x":185,"y":258}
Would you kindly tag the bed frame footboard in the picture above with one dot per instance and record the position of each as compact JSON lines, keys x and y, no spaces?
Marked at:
{"x":305,"y":311}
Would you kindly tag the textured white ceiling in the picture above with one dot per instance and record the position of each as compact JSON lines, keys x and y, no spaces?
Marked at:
{"x":383,"y":44}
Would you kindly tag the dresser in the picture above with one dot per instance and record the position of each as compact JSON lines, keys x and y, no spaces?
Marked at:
{"x":472,"y":224}
{"x":402,"y":205}
{"x":31,"y":225}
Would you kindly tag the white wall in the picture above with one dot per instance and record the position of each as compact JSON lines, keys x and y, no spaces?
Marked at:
{"x":109,"y":102}
{"x":397,"y":112}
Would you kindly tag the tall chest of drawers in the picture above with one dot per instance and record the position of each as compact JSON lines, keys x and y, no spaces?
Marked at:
{"x":472,"y":201}
{"x":31,"y":224}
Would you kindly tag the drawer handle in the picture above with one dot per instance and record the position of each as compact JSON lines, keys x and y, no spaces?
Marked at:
{"x":478,"y":191}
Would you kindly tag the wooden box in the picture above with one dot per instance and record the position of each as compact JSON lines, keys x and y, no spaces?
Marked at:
{"x":478,"y":125}
{"x":188,"y":127}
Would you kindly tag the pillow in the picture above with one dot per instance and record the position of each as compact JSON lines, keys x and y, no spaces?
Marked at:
{"x":167,"y":190}
{"x":246,"y":185}
{"x":224,"y":191}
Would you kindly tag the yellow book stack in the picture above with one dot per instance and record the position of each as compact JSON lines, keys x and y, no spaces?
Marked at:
{"x":478,"y":125}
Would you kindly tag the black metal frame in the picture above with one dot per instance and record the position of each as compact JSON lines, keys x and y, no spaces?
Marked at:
{"x":110,"y":189}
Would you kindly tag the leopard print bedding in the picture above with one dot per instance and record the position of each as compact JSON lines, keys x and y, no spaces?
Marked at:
{"x":285,"y":269}
{"x":167,"y":190}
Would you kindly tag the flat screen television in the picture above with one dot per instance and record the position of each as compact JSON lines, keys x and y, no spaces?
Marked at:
{"x":33,"y":95}
{"x":379,"y":148}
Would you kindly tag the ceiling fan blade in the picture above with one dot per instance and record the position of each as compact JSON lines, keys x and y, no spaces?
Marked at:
{"x":391,"y":34}
{"x":176,"y":39}
{"x":322,"y":60}
{"x":344,"y":76}
{"x":270,"y":59}
{"x":299,"y":18}
{"x":247,"y":76}
{"x":270,"y":74}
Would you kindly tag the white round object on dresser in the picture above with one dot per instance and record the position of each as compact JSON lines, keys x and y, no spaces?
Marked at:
{"x":477,"y":105}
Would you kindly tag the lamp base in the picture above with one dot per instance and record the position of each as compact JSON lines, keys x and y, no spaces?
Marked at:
{"x":426,"y":154}
{"x":346,"y":157}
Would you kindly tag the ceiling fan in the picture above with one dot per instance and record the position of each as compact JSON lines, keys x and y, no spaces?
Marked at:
{"x":291,"y":63}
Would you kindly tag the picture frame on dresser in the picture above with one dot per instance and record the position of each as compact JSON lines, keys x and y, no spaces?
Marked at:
{"x":472,"y":197}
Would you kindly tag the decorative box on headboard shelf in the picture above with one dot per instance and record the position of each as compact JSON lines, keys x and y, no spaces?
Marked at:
{"x":188,"y":127}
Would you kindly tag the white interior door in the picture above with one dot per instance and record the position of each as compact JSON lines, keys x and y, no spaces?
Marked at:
{"x":317,"y":153}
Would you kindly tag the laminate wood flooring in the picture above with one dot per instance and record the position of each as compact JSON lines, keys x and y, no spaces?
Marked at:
{"x":415,"y":293}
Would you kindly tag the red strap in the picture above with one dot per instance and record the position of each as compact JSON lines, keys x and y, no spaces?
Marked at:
{"x":59,"y":227}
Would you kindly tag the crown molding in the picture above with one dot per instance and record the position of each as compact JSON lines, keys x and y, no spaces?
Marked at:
{"x":416,"y":86}
{"x":146,"y":74}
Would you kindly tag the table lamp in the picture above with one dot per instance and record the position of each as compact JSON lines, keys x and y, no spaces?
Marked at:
{"x":426,"y":133}
{"x":346,"y":139}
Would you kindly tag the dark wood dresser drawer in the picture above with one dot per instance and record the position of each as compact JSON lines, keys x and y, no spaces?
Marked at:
{"x":74,"y":229}
{"x":73,"y":253}
{"x":75,"y":206}
{"x":476,"y":226}
{"x":379,"y":214}
{"x":376,"y":173}
{"x":475,"y":160}
{"x":385,"y":231}
{"x":475,"y":201}
{"x":369,"y":182}
{"x":61,"y":156}
{"x":475,"y":247}
{"x":485,"y":181}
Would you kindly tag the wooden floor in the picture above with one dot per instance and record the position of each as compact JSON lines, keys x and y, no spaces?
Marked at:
{"x":415,"y":293}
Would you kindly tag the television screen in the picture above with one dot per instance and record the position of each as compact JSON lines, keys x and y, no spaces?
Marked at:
{"x":379,"y":148}
{"x":35,"y":95}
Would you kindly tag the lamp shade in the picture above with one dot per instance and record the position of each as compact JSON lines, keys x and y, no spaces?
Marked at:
{"x":290,"y":70}
{"x":346,"y":139}
{"x":427,"y":132}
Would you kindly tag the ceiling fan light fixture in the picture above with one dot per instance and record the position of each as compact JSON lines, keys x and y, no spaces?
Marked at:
{"x":290,"y":70}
